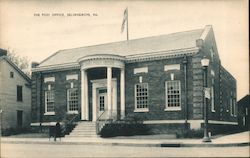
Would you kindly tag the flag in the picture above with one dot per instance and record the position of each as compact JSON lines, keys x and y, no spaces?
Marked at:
{"x":125,"y":19}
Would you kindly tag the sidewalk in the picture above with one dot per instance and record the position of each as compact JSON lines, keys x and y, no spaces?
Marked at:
{"x":239,"y":139}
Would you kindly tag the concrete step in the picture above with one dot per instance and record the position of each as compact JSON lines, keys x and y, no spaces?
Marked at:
{"x":86,"y":127}
{"x":84,"y":136}
{"x":83,"y":129}
{"x":85,"y":132}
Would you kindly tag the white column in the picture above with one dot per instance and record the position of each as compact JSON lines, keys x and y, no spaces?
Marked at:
{"x":83,"y":102}
{"x":122,"y":93}
{"x":86,"y":96}
{"x":94,"y":103}
{"x":114,"y":99}
{"x":109,"y":88}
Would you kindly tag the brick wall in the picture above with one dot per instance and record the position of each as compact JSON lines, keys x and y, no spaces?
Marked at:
{"x":60,"y":87}
{"x":156,"y":78}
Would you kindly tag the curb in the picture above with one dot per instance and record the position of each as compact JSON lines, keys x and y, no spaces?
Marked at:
{"x":174,"y":145}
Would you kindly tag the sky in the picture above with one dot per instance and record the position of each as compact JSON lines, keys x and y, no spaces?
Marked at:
{"x":33,"y":28}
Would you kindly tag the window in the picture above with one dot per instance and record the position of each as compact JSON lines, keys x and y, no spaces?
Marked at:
{"x":11,"y":74}
{"x":102,"y":103}
{"x":49,"y":102}
{"x":173,"y":97}
{"x":141,"y":96}
{"x":212,"y":54}
{"x":19,"y":93}
{"x":72,"y":100}
{"x":234,"y":105}
{"x":212,"y":99}
{"x":231,"y":106}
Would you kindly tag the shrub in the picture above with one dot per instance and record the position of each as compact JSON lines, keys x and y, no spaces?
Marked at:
{"x":190,"y":133}
{"x":14,"y":131}
{"x":123,"y":129}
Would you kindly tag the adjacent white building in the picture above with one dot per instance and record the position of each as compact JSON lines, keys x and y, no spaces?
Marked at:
{"x":15,"y":95}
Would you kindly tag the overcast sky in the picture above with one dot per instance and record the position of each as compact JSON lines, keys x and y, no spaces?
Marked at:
{"x":37,"y":37}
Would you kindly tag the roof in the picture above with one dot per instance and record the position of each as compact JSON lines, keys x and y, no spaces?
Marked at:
{"x":16,"y":68}
{"x":174,"y":41}
{"x":244,"y":101}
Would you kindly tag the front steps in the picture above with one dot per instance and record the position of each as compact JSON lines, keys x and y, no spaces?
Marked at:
{"x":84,"y":129}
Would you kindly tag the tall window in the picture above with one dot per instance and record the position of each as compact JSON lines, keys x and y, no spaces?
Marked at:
{"x":141,"y":96}
{"x":173,"y":95}
{"x":212,"y":99}
{"x":72,"y":100}
{"x":234,"y":105}
{"x":19,"y":93}
{"x":231,"y":106}
{"x":49,"y":101}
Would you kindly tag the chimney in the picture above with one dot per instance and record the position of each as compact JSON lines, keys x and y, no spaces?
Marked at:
{"x":3,"y":52}
{"x":34,"y":64}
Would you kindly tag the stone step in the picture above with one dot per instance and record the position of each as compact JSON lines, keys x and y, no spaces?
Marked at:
{"x":82,"y":132}
{"x":84,"y":136}
{"x":83,"y":129}
{"x":79,"y":126}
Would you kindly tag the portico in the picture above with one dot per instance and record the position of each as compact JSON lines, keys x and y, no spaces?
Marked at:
{"x":104,"y":91}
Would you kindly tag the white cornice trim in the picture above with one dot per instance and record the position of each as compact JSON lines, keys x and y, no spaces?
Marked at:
{"x":57,"y":67}
{"x":161,"y":55}
{"x":101,"y":56}
{"x":127,"y":59}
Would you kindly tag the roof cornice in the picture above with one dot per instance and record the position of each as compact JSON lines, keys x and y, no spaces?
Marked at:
{"x":161,"y":55}
{"x":127,"y":59}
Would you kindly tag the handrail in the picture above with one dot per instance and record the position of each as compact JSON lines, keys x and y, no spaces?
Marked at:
{"x":101,"y":123}
{"x":101,"y":115}
{"x":69,"y":123}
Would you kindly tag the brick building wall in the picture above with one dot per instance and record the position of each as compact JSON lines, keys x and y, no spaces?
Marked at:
{"x":156,"y":78}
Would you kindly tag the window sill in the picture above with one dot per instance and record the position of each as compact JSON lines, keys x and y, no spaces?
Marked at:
{"x":72,"y":112}
{"x":141,"y":110}
{"x":49,"y":113}
{"x":172,"y":109}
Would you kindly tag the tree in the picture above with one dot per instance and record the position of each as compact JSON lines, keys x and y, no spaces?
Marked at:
{"x":22,"y":62}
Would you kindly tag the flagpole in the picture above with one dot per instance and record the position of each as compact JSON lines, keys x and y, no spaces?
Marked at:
{"x":127,"y":26}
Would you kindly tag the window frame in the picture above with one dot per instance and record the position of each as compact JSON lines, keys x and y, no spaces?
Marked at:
{"x":167,"y":107}
{"x":212,"y":99}
{"x":46,"y":103}
{"x":231,"y":106}
{"x":145,"y":109}
{"x":19,"y":93}
{"x":11,"y":74}
{"x":68,"y":104}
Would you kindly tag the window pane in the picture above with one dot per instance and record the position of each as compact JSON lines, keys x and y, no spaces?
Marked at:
{"x":173,"y":93}
{"x":141,"y":95}
{"x":49,"y":101}
{"x":19,"y":93}
{"x":73,"y":99}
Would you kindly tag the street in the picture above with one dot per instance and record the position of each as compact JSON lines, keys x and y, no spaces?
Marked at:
{"x":63,"y":150}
